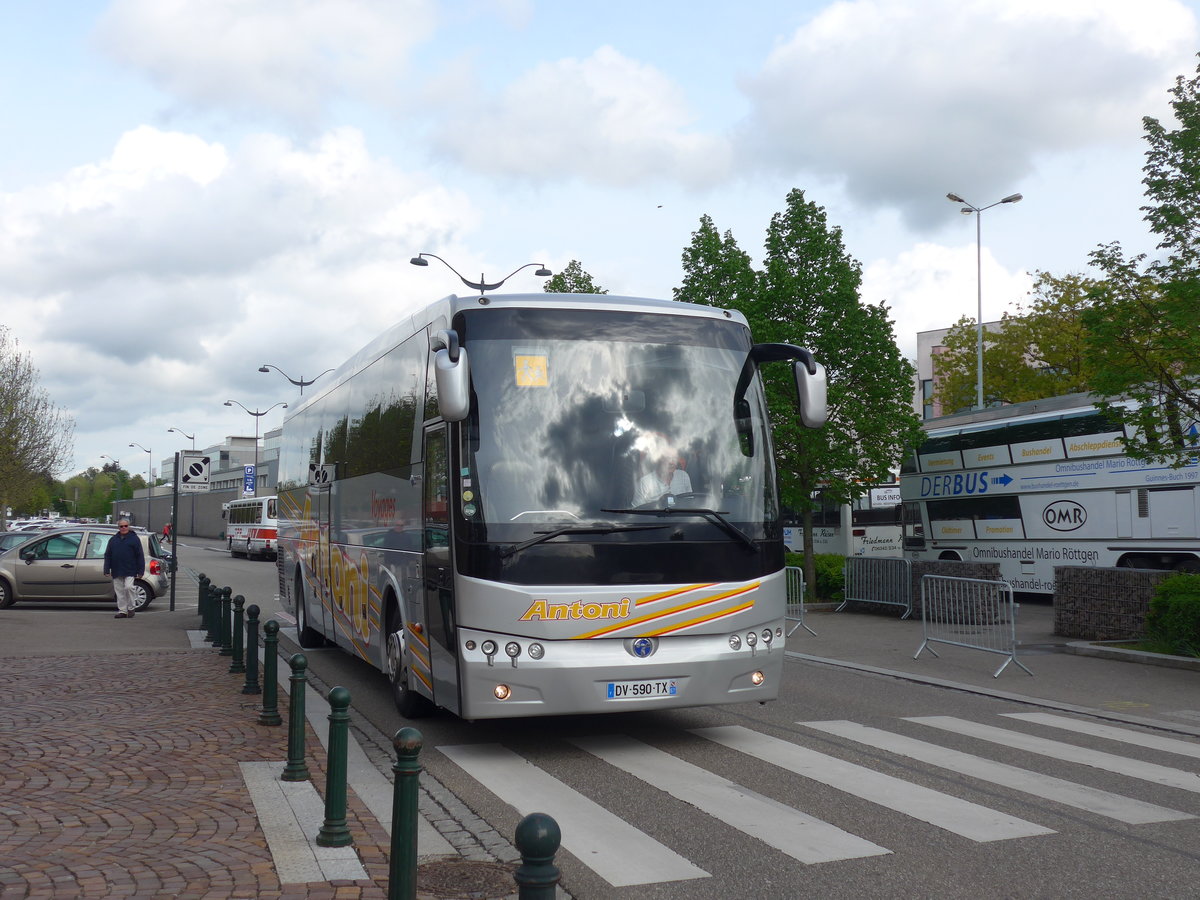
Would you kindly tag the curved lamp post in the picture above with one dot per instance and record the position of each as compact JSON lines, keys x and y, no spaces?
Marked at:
{"x":149,"y":479}
{"x":190,"y":437}
{"x":298,"y":382}
{"x":480,"y":285}
{"x":968,"y":209}
{"x":258,"y":414}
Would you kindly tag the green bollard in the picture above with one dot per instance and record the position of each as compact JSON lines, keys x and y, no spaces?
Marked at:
{"x":238,"y":665}
{"x":269,"y":715}
{"x":211,"y":632}
{"x":296,"y":769}
{"x":537,"y":839}
{"x":202,"y":596}
{"x":251,"y":684}
{"x":226,"y":621}
{"x":402,"y":864}
{"x":334,"y":832}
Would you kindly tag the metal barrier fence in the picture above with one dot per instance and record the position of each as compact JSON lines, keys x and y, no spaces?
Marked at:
{"x":970,"y":612}
{"x":795,"y":599}
{"x":878,"y":579}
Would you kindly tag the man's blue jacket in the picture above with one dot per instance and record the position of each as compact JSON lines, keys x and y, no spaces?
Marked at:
{"x":123,"y":556}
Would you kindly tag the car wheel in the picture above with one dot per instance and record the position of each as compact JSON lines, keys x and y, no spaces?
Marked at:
{"x":307,"y":638}
{"x":142,"y":595}
{"x":7,"y":597}
{"x":408,"y":702}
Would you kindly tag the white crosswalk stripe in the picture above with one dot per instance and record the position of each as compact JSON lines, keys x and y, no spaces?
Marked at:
{"x":942,"y":810}
{"x":615,"y":850}
{"x":623,"y":855}
{"x":1104,"y":803}
{"x":1098,"y":759}
{"x":792,"y":832}
{"x":1112,"y":733}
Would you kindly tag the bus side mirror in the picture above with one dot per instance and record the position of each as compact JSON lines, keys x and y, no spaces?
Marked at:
{"x":811,"y":393}
{"x":452,"y":373}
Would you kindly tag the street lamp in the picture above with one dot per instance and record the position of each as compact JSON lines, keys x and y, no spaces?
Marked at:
{"x":258,"y":414}
{"x":480,"y":285}
{"x":298,"y":382}
{"x":190,"y":437}
{"x":149,"y":478}
{"x":967,"y":209}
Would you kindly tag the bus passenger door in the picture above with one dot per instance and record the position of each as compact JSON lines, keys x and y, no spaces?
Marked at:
{"x":439,"y":569}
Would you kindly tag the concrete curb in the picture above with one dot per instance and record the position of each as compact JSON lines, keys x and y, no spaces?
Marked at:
{"x":1102,"y":650}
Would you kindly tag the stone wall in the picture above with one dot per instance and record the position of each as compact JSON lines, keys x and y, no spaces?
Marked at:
{"x":1103,"y":604}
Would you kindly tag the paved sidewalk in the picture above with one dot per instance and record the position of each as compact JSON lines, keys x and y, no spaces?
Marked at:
{"x":134,"y":772}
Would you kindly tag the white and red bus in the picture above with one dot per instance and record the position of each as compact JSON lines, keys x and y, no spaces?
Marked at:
{"x":252,"y":527}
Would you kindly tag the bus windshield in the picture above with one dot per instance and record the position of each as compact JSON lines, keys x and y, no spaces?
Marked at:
{"x":587,"y":416}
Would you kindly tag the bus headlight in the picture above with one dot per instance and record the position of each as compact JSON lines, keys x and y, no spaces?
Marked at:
{"x":751,"y":639}
{"x":501,"y":692}
{"x":767,"y":637}
{"x":489,"y":650}
{"x":735,"y":642}
{"x":758,"y":678}
{"x":513,"y":649}
{"x":536,"y":651}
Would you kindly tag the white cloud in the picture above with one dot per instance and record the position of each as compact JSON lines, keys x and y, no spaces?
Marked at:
{"x":281,"y":57}
{"x":155,"y":279}
{"x":931,"y":286}
{"x":606,"y":119}
{"x":903,"y":101}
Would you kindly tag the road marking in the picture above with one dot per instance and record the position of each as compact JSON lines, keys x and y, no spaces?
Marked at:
{"x":1095,"y":729}
{"x":612,"y":848}
{"x":1097,"y":759}
{"x":800,"y":836}
{"x":1089,"y":799}
{"x":961,"y":817}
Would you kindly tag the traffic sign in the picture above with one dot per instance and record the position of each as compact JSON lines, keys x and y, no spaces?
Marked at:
{"x":195,"y":471}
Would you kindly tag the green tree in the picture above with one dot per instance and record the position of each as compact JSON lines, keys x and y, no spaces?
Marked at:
{"x":808,"y":295}
{"x":36,"y":436}
{"x":716,"y":271}
{"x":1039,"y":351}
{"x":572,"y":280}
{"x":1142,"y":324}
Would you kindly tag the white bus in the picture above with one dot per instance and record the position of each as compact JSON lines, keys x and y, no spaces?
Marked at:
{"x":461,"y":506}
{"x":1042,"y":484}
{"x":252,"y":527}
{"x":870,"y":526}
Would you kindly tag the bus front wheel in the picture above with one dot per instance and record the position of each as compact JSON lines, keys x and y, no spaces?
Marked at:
{"x":408,"y":702}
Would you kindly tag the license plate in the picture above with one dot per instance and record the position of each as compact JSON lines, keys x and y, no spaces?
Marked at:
{"x":636,"y":690}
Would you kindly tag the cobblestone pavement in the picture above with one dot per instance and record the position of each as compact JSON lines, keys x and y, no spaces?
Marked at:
{"x":120,"y":778}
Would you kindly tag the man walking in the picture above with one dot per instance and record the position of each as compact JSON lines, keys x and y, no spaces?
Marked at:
{"x":124,"y":561}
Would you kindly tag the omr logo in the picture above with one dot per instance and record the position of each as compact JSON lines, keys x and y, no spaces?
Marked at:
{"x":1064,"y":515}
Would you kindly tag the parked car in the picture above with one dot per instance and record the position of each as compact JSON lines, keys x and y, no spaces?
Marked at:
{"x":10,"y":539}
{"x":68,"y":564}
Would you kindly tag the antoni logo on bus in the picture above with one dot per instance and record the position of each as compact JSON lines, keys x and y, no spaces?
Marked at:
{"x":348,"y":581}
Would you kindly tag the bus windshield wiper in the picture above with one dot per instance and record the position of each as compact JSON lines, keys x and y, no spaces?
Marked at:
{"x":711,"y":515}
{"x":599,"y":528}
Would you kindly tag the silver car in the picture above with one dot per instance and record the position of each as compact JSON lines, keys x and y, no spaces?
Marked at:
{"x":68,"y":564}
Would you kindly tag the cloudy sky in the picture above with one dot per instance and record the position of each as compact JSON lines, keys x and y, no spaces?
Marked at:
{"x":192,"y":188}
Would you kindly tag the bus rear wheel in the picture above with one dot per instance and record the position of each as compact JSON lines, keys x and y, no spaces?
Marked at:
{"x":408,"y":702}
{"x":308,"y":638}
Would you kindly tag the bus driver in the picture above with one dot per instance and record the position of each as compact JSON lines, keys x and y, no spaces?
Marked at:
{"x":664,"y":477}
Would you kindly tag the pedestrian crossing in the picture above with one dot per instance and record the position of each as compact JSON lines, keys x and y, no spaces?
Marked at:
{"x":624,"y":855}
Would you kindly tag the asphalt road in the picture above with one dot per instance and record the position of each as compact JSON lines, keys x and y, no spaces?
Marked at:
{"x":801,"y":797}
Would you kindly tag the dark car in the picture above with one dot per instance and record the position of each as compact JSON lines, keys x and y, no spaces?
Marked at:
{"x":68,"y":564}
